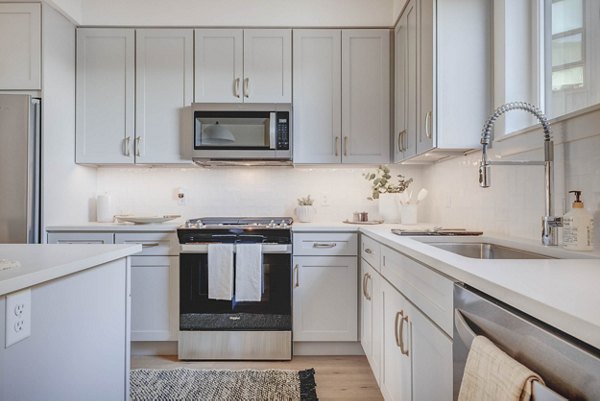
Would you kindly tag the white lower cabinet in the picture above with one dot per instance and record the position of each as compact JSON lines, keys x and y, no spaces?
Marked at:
{"x":325,"y":298}
{"x":396,"y":374}
{"x":154,"y":285}
{"x":431,"y":359}
{"x":409,"y":352}
{"x":154,"y":279}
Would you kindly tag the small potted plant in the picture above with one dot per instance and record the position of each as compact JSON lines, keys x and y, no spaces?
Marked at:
{"x":305,"y":210}
{"x":386,"y":189}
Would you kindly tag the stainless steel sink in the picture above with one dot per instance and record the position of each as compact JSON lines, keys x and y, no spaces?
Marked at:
{"x":484,"y":250}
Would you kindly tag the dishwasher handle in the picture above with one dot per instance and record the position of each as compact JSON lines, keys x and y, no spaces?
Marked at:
{"x":539,"y":391}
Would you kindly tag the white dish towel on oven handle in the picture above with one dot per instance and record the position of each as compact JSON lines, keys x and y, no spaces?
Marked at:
{"x":248,"y":273}
{"x":220,"y":271}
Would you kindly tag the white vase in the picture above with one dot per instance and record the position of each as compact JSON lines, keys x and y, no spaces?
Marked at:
{"x":305,"y":214}
{"x":388,"y":208}
{"x":409,"y":213}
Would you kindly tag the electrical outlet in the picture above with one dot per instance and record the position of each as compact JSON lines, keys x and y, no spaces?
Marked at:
{"x":18,"y":317}
{"x":181,"y":196}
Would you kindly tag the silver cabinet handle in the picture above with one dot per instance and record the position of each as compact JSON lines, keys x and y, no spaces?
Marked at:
{"x":402,"y":141}
{"x":247,"y":87}
{"x":428,"y":124}
{"x":138,"y":141}
{"x":297,"y":271}
{"x":401,"y":333}
{"x":396,"y":331}
{"x":399,"y":141}
{"x":236,"y":90}
{"x":322,"y":245}
{"x":364,"y":285}
{"x":151,"y":245}
{"x":369,"y":251}
{"x":126,"y":145}
{"x":345,"y":146}
{"x":369,"y":297}
{"x":337,"y":145}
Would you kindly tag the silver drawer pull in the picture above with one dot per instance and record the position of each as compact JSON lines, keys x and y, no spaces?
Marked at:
{"x":151,"y":245}
{"x":369,"y":251}
{"x":321,"y":245}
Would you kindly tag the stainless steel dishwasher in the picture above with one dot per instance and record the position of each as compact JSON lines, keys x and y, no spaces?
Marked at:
{"x":570,"y":369}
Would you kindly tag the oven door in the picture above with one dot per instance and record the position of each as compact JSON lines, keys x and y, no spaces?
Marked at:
{"x":272,"y":313}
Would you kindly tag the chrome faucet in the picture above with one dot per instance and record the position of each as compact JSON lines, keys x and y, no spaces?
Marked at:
{"x":550,"y":223}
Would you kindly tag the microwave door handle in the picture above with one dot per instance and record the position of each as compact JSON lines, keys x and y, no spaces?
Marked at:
{"x":272,"y":130}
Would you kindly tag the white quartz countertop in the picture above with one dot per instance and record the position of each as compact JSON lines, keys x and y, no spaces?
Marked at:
{"x":564,"y":293}
{"x":99,"y":227}
{"x":38,"y":263}
{"x":345,"y":227}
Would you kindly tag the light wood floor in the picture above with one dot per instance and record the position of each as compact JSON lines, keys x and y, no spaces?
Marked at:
{"x":346,"y":378}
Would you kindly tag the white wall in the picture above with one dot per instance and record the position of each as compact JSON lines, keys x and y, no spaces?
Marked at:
{"x":72,"y":9}
{"x":514,"y":204}
{"x":67,"y":188}
{"x":242,"y":191}
{"x":237,"y":12}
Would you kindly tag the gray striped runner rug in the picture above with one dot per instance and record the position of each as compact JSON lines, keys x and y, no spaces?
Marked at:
{"x":222,"y":385}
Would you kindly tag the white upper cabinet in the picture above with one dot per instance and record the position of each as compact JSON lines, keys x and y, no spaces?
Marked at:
{"x":219,"y":65}
{"x":443,"y":73}
{"x":20,"y":46}
{"x":342,"y":96}
{"x":267,"y":65}
{"x":366,"y":96}
{"x":317,"y":96}
{"x":251,"y":65}
{"x":164,"y":88}
{"x":105,"y":96}
{"x":405,"y":93}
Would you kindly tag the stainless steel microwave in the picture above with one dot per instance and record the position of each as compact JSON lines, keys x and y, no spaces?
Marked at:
{"x":242,"y":134}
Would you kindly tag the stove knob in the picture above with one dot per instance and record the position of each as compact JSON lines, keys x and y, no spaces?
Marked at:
{"x":272,"y":224}
{"x":283,"y":224}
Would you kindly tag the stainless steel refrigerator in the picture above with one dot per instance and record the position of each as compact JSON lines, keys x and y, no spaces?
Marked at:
{"x":20,"y":169}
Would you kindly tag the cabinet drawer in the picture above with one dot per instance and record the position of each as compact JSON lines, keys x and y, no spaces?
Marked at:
{"x":370,"y":251}
{"x":428,"y":290}
{"x":326,"y":244}
{"x":152,"y":243}
{"x":80,"y":238}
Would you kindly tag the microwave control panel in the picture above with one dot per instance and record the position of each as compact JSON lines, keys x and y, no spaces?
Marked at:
{"x":283,"y":130}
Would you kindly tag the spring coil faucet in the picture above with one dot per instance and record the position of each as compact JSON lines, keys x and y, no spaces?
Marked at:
{"x":550,"y":223}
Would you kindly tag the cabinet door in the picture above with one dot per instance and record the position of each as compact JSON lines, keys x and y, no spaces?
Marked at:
{"x":366,"y":308}
{"x":317,"y":96}
{"x":430,"y":343}
{"x":325,"y":298}
{"x":405,"y":91}
{"x":80,"y":238}
{"x":164,"y":87}
{"x":267,"y":66}
{"x":20,"y":46}
{"x":154,"y":298}
{"x":219,"y":67}
{"x":396,"y":380}
{"x":426,"y":123}
{"x":105,"y":96}
{"x":366,"y":96}
{"x":375,"y":285}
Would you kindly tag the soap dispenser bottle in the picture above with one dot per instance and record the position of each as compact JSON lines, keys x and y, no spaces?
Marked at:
{"x":578,"y":226}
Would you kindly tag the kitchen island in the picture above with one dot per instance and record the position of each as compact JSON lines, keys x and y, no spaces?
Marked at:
{"x":75,"y":300}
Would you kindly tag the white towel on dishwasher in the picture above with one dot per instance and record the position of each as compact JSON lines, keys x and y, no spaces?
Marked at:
{"x":220,"y":271}
{"x":248,"y":272}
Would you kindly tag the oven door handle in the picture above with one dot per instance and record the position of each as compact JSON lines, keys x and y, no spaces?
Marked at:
{"x":266,"y":248}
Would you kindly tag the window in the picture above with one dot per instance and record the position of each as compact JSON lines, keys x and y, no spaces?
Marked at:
{"x":547,"y":52}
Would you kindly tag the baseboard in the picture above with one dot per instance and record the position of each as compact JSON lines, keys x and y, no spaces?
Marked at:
{"x":141,"y":348}
{"x":327,"y":348}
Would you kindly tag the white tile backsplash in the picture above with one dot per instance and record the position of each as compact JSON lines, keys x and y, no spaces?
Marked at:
{"x":242,"y":191}
{"x":514,"y":204}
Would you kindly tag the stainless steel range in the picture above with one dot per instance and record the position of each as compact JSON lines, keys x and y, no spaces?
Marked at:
{"x":230,"y":329}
